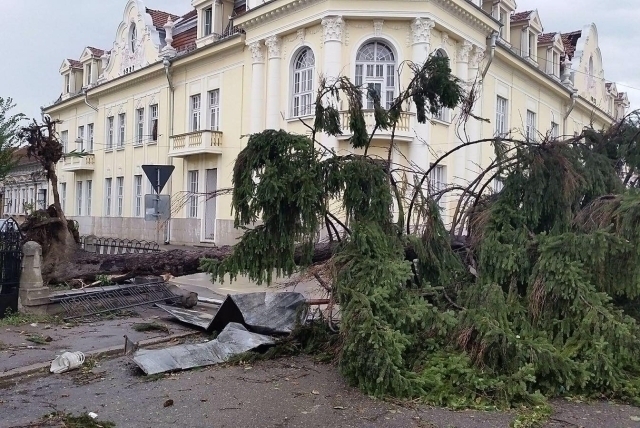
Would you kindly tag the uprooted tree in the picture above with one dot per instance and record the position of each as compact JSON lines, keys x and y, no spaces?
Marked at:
{"x":526,"y":305}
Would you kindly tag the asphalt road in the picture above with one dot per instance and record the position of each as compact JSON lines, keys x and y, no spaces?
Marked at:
{"x":292,"y":392}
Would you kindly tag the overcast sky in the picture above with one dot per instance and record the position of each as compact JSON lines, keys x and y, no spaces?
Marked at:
{"x":39,"y":34}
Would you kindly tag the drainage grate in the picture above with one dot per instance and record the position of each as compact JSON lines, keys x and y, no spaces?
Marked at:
{"x":95,"y":301}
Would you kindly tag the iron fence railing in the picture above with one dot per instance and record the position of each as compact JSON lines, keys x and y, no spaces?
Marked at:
{"x":101,"y":245}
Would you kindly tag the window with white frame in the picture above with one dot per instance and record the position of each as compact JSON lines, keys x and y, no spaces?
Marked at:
{"x":207,"y":19}
{"x":192,"y":181}
{"x":555,"y":130}
{"x":376,"y":70}
{"x":531,"y":125}
{"x":67,"y":83}
{"x":80,"y":142}
{"x":195,"y":113}
{"x":79,"y":198}
{"x":87,"y":72}
{"x":108,"y":188}
{"x":64,"y":140}
{"x":501,"y":116}
{"x":214,"y":109}
{"x":110,"y":125}
{"x":133,"y":37}
{"x":137,"y":195}
{"x":90,"y":138}
{"x":139,"y":125}
{"x":120,"y":196}
{"x":437,"y":183}
{"x":153,"y":123}
{"x":531,"y":48}
{"x":63,"y":195}
{"x":498,"y":185}
{"x":89,"y":191}
{"x":303,"y":72}
{"x":121,"y":125}
{"x":23,"y":200}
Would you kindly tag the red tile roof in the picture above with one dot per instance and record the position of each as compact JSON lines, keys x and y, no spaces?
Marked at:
{"x":570,"y":40}
{"x":160,"y":18}
{"x":74,"y":63}
{"x":185,"y":40}
{"x":521,"y":16}
{"x":96,"y":51}
{"x":546,"y":37}
{"x":189,"y":15}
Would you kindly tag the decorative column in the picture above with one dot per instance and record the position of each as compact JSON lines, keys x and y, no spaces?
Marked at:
{"x":333,"y":28}
{"x":257,"y":88}
{"x":168,"y":51}
{"x":421,"y":39}
{"x":474,"y":127}
{"x":273,"y":82}
{"x":462,"y":72}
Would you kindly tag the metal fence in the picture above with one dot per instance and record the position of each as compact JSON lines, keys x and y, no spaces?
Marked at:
{"x":95,"y":244}
{"x":10,"y":265}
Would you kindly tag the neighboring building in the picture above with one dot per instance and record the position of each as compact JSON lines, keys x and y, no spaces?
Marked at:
{"x":184,"y":90}
{"x":24,"y":189}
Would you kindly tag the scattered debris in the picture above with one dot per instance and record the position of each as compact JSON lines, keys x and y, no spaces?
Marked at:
{"x":150,"y":326}
{"x":234,"y":339}
{"x":38,"y":339}
{"x":92,"y":415}
{"x":168,"y":403}
{"x":130,"y":346}
{"x":67,"y":361}
{"x":188,"y":316}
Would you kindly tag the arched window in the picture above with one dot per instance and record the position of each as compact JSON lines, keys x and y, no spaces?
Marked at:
{"x":443,"y":113}
{"x":303,"y":70}
{"x":591,"y":80}
{"x":376,"y":67}
{"x":133,"y":37}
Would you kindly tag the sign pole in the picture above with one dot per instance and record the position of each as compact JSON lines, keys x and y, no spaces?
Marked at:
{"x":158,"y":207}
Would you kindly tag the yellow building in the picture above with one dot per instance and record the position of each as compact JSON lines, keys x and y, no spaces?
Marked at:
{"x":185,"y":90}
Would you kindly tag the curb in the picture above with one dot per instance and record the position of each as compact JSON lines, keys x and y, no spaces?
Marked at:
{"x":112,"y":351}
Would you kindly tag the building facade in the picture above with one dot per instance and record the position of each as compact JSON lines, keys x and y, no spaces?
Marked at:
{"x":187,"y":90}
{"x":25,"y":188}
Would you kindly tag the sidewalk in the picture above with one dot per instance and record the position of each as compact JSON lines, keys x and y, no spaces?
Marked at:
{"x":16,"y":351}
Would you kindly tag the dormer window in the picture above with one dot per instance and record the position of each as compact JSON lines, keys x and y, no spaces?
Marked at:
{"x":133,"y":37}
{"x":67,"y":83}
{"x":207,"y":17}
{"x":87,"y":73}
{"x":531,"y":48}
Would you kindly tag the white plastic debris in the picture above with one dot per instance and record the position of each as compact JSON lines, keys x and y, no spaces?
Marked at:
{"x":92,"y":415}
{"x":67,"y":361}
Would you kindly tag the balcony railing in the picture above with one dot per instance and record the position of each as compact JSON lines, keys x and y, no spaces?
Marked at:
{"x":195,"y":143}
{"x":404,"y":128}
{"x":74,"y":163}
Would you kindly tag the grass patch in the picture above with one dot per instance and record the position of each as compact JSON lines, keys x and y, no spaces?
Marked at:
{"x":69,"y":421}
{"x":38,"y":339}
{"x":150,"y":326}
{"x":532,"y":417}
{"x":14,"y":319}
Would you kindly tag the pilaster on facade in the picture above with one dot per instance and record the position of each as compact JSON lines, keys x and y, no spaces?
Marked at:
{"x":274,"y":50}
{"x":333,"y":34}
{"x":257,"y":86}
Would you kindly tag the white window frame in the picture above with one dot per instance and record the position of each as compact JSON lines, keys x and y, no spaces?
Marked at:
{"x":139,"y":126}
{"x":153,"y":122}
{"x":87,"y":69}
{"x":90,"y":129}
{"x":555,"y":130}
{"x":80,"y":142}
{"x":377,"y":71}
{"x":63,"y":196}
{"x":64,"y":139}
{"x":438,"y":182}
{"x":67,"y":83}
{"x":108,"y":196}
{"x":192,"y":181}
{"x":110,"y":131}
{"x":89,"y":191}
{"x":122,"y":129}
{"x":304,"y":65}
{"x":214,"y":109}
{"x":195,"y":105}
{"x":137,"y":195}
{"x":79,"y":198}
{"x":119,"y":196}
{"x":207,"y":21}
{"x":497,"y":185}
{"x":502,"y":116}
{"x":530,"y":131}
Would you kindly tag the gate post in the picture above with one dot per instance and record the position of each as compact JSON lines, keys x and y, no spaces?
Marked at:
{"x":32,"y":291}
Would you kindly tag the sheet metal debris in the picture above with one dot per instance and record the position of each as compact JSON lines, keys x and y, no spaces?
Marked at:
{"x":234,"y":339}
{"x":188,"y":316}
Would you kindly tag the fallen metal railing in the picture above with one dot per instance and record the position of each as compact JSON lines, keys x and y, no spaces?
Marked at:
{"x":95,"y":244}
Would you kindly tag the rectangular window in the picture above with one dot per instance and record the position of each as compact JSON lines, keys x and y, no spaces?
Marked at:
{"x":87,"y":71}
{"x":90,"y":138}
{"x":208,"y":21}
{"x":64,"y":140}
{"x":442,"y":115}
{"x":195,"y":113}
{"x":498,"y":185}
{"x":63,"y":196}
{"x":80,"y":141}
{"x":108,"y":188}
{"x":214,"y":109}
{"x":153,"y":122}
{"x":137,"y":192}
{"x":437,"y":183}
{"x":121,"y":123}
{"x":67,"y":84}
{"x":23,"y":200}
{"x":531,"y":125}
{"x":79,"y":198}
{"x":120,"y":195}
{"x":501,"y":116}
{"x":377,"y":87}
{"x":110,"y":125}
{"x":359,"y":75}
{"x":555,"y":130}
{"x":89,"y":191}
{"x":192,"y":181}
{"x":532,"y":46}
{"x":140,"y":125}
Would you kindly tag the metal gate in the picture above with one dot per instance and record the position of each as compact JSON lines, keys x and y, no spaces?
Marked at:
{"x":10,"y":265}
